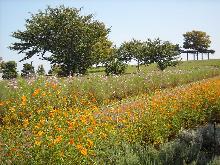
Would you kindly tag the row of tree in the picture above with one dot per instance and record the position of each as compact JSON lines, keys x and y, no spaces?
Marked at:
{"x":9,"y":70}
{"x":72,"y":43}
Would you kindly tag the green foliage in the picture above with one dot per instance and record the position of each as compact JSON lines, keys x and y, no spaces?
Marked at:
{"x":5,"y":91}
{"x":75,"y":41}
{"x":27,"y":70}
{"x":115,"y":67}
{"x":9,"y":70}
{"x":196,"y":40}
{"x":163,"y":53}
{"x":55,"y":70}
{"x":41,"y":70}
{"x":134,"y":50}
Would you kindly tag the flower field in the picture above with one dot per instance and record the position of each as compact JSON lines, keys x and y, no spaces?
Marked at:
{"x":51,"y":121}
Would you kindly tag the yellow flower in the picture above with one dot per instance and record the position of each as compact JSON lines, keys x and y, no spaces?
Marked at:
{"x":39,"y":111}
{"x":37,"y":142}
{"x":82,"y":150}
{"x":42,"y":121}
{"x":103,"y":135}
{"x":23,"y":100}
{"x":25,"y":123}
{"x":40,"y":133}
{"x":12,"y":109}
{"x":90,"y":143}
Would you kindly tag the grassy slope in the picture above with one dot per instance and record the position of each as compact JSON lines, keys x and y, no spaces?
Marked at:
{"x":185,"y":65}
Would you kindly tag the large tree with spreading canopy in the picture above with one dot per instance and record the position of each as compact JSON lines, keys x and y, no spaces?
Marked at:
{"x":196,"y":40}
{"x":64,"y":37}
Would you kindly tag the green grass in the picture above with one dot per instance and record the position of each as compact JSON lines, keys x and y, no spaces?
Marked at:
{"x":185,"y":65}
{"x":116,"y":88}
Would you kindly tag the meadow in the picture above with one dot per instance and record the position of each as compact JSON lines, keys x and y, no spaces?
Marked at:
{"x":96,"y":119}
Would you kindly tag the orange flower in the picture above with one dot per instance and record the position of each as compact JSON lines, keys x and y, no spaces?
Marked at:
{"x":1,"y":103}
{"x":90,"y":130}
{"x":83,"y":119}
{"x":58,"y":129}
{"x":70,"y":125}
{"x":58,"y":139}
{"x":36,"y":92}
{"x":93,"y":99}
{"x":71,"y":141}
{"x":54,"y":86}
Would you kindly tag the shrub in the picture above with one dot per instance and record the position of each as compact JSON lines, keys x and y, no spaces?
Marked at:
{"x":115,"y":67}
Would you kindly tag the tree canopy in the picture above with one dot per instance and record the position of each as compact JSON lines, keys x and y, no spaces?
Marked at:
{"x":133,"y":50}
{"x":164,"y":53}
{"x":75,"y":41}
{"x":27,"y":70}
{"x":161,"y":52}
{"x":41,"y":70}
{"x":196,"y":40}
{"x":9,"y":70}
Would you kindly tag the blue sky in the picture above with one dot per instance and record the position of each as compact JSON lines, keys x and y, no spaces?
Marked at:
{"x":139,"y":19}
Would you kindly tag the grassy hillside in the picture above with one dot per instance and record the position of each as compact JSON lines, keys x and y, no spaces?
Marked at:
{"x":186,"y":65}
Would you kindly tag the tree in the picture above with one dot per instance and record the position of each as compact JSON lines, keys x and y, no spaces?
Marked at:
{"x":114,"y":65}
{"x":9,"y":70}
{"x":75,"y":42}
{"x":40,"y":70}
{"x":133,"y":49}
{"x":196,"y":40}
{"x":27,"y":70}
{"x":163,"y":53}
{"x":55,"y":70}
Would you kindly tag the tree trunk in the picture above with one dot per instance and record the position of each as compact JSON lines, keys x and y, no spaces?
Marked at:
{"x":187,"y":56}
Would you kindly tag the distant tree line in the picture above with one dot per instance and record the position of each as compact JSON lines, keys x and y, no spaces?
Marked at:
{"x":77,"y":42}
{"x":9,"y":70}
